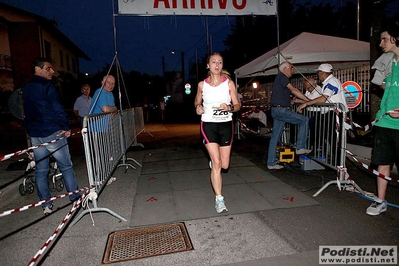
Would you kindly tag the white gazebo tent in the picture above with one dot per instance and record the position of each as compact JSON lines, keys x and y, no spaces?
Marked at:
{"x":306,"y":51}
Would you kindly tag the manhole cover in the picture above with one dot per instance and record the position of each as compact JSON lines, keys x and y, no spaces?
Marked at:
{"x":141,"y":243}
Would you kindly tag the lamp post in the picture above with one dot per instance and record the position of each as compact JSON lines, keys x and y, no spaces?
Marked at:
{"x":163,"y":66}
{"x":182,"y":63}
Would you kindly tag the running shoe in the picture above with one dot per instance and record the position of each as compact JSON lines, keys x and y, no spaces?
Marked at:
{"x":220,"y":206}
{"x":377,"y":207}
{"x":302,"y":151}
{"x":275,"y":167}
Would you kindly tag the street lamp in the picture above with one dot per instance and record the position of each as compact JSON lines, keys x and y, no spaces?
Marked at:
{"x":255,"y":86}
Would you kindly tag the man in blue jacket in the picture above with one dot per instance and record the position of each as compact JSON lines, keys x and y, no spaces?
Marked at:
{"x":46,"y":121}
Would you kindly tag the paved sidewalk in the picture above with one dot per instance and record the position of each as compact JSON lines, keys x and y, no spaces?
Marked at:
{"x":277,"y":236}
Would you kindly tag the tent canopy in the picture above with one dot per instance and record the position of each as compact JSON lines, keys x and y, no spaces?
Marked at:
{"x":306,"y":52}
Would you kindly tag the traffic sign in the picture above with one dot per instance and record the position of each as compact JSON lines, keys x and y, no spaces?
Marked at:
{"x":188,"y":88}
{"x":353,"y":94}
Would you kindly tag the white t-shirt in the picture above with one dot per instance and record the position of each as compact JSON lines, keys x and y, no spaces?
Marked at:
{"x":332,"y":88}
{"x":212,"y":98}
{"x":316,"y":92}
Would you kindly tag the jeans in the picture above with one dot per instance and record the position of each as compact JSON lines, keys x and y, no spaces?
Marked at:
{"x":60,"y":151}
{"x":282,"y":115}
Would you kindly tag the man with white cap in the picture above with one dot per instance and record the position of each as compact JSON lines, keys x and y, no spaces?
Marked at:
{"x":332,"y":89}
{"x":332,"y":92}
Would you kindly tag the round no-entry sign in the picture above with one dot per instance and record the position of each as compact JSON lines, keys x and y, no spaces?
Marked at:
{"x":353,"y":93}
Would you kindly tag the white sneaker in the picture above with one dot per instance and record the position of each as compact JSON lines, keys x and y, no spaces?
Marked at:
{"x":377,"y":207}
{"x":48,"y":209}
{"x":302,"y":151}
{"x":275,"y":167}
{"x":220,"y":206}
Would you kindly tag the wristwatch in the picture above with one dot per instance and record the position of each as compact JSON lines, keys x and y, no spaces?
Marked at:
{"x":231,"y":108}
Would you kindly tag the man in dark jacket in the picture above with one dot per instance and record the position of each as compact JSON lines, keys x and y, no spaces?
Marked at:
{"x":281,"y":113}
{"x":47,"y":123}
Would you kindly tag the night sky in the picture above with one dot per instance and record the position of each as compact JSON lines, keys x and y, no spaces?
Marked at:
{"x":141,"y":41}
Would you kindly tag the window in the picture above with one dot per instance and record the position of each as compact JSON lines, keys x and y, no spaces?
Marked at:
{"x":47,"y":49}
{"x":74,"y":65}
{"x":67,"y":62}
{"x":61,"y":59}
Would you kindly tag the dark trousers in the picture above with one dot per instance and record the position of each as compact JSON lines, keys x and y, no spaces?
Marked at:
{"x":254,"y":124}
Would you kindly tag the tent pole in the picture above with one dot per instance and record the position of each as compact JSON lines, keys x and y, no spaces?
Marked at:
{"x":114,"y":25}
{"x":117,"y":65}
{"x":278,"y":34}
{"x":358,"y":20}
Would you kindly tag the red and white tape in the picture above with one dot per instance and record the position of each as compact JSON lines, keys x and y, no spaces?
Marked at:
{"x":8,"y":156}
{"x":24,"y":208}
{"x":59,"y":229}
{"x":370,"y":125}
{"x":378,"y":174}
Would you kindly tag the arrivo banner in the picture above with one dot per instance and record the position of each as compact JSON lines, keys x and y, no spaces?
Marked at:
{"x":197,"y":7}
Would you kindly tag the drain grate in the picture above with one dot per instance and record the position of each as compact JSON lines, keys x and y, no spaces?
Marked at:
{"x":141,"y":243}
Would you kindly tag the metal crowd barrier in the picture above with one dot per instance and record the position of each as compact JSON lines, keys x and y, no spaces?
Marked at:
{"x":133,"y":124}
{"x":138,"y":125}
{"x":327,"y":139}
{"x":106,"y":142}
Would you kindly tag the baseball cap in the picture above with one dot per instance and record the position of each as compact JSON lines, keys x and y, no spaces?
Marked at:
{"x":325,"y":68}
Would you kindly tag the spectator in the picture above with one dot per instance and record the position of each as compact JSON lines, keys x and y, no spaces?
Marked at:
{"x":281,"y":113}
{"x":313,"y":90}
{"x":81,"y":107}
{"x":104,"y":101}
{"x":46,"y":121}
{"x":332,"y":92}
{"x":215,"y":101}
{"x":100,"y":128}
{"x":162,"y":108}
{"x":240,"y":97}
{"x":257,"y":119}
{"x":146,"y":108}
{"x":386,"y":139}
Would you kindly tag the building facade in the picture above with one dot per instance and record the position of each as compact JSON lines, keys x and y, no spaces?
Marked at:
{"x":24,"y":36}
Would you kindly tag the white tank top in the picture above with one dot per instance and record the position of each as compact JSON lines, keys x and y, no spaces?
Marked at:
{"x":212,"y":98}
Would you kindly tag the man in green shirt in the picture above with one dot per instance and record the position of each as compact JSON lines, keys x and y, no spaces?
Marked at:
{"x":386,"y":142}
